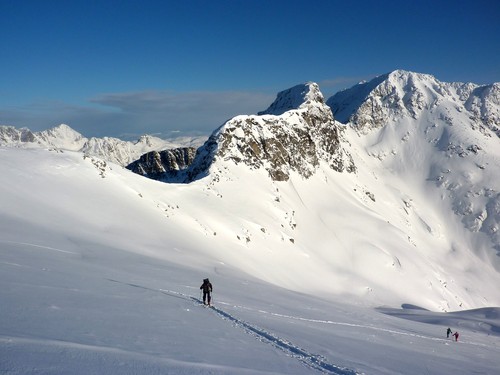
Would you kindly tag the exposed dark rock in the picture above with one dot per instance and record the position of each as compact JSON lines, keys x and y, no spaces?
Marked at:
{"x":165,"y":164}
{"x":303,"y":135}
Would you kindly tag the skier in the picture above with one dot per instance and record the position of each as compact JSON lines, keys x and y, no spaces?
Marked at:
{"x":456,"y":336}
{"x":207,"y":289}
{"x":448,"y":332}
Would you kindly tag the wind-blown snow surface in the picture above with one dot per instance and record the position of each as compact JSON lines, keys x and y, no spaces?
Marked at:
{"x":100,"y":272}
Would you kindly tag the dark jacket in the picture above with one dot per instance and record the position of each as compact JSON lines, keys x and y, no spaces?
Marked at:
{"x":206,"y":286}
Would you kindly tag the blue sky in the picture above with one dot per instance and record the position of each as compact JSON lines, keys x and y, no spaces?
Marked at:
{"x":126,"y":68}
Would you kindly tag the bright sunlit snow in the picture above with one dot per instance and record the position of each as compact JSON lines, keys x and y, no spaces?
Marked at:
{"x":340,"y":273}
{"x":102,"y":275}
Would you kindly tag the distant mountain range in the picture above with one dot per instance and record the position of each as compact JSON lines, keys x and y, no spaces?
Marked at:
{"x":111,"y":149}
{"x":418,"y":157}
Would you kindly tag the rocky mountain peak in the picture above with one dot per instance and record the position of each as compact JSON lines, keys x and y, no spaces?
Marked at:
{"x":145,"y":139}
{"x":61,"y":136}
{"x":294,"y":135}
{"x":370,"y":105}
{"x":484,"y":105}
{"x":445,"y":133}
{"x":10,"y":135}
{"x":305,"y":95}
{"x":402,"y":94}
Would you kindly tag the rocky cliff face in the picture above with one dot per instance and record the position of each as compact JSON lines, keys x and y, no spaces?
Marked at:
{"x":294,"y":135}
{"x":483,"y":103}
{"x":164,"y":165}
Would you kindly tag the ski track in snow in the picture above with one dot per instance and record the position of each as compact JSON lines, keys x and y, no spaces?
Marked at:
{"x":311,"y":360}
{"x":320,"y":321}
{"x":38,"y":246}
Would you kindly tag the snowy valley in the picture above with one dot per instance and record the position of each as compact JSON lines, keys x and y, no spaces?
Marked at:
{"x":342,"y":236}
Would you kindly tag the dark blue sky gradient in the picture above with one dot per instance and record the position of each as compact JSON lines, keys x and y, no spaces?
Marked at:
{"x":92,"y":64}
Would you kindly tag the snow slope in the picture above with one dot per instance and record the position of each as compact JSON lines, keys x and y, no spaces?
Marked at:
{"x":316,"y":268}
{"x":437,"y":135}
{"x":100,"y":272}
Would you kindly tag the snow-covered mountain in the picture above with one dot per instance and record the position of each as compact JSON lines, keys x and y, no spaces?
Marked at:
{"x":443,"y":133}
{"x":410,"y":157}
{"x":415,"y":139}
{"x":61,"y":136}
{"x":294,"y":135}
{"x":100,"y":271}
{"x":305,"y":226}
{"x":403,"y":94}
{"x":114,"y":150}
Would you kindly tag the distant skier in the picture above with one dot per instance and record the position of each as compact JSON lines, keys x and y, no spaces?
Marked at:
{"x":207,"y":290}
{"x":455,"y":335}
{"x":448,"y":333}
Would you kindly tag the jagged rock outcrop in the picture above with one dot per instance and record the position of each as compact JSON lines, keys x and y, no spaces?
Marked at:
{"x":484,"y":103}
{"x":371,"y":105}
{"x":294,"y":135}
{"x":161,"y":165}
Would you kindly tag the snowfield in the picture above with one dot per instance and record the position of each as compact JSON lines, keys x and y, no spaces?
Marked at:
{"x":335,"y":248}
{"x":101,"y":268}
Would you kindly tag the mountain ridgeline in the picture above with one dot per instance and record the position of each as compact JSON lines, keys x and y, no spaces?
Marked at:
{"x":403,"y":157}
{"x":402,"y":94}
{"x":445,"y":134}
{"x":294,"y":134}
{"x":111,"y":149}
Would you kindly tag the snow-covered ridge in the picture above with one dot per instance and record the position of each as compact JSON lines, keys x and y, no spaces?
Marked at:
{"x":307,"y":95}
{"x":63,"y":137}
{"x":371,"y":105}
{"x":442,"y":133}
